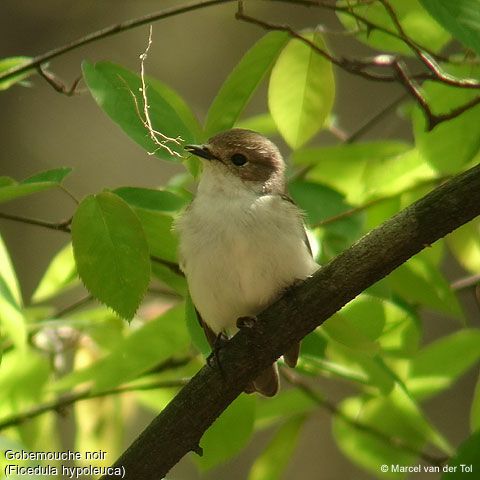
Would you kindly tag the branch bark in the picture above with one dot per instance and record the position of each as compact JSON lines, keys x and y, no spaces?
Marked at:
{"x":179,"y":427}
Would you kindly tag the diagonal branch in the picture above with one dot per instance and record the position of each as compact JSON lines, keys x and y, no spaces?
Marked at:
{"x":180,"y":426}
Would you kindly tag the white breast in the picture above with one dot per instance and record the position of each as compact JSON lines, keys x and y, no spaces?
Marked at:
{"x":239,"y":253}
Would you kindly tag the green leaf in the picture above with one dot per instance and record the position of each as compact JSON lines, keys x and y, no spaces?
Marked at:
{"x":150,"y":199}
{"x":9,"y":189}
{"x":464,"y":243}
{"x":242,"y":82}
{"x":417,"y":24}
{"x":450,"y":145}
{"x":111,"y":252}
{"x":228,"y":434}
{"x":12,"y":319}
{"x":155,"y":210}
{"x":169,"y":278}
{"x":271,"y":464}
{"x":112,"y":87}
{"x":466,"y":461}
{"x":262,"y":123}
{"x":179,"y":105}
{"x":60,"y":275}
{"x":9,"y":63}
{"x":301,"y":111}
{"x":460,"y":17}
{"x":339,"y":329}
{"x":438,"y":365}
{"x":366,"y":449}
{"x":22,"y":378}
{"x":419,"y":281}
{"x":285,"y":404}
{"x":358,"y":366}
{"x":355,"y":162}
{"x":395,"y":416}
{"x":147,"y":346}
{"x":475,"y":409}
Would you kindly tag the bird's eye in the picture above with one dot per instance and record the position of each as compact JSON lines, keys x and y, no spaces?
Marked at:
{"x":238,"y":159}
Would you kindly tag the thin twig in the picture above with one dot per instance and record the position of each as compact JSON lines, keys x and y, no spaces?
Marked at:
{"x":73,"y":306}
{"x":375,"y":119}
{"x":147,"y":122}
{"x":108,"y":32}
{"x":467,"y":282}
{"x":59,"y":86}
{"x":70,"y":398}
{"x":400,"y":74}
{"x":364,"y":206}
{"x":395,"y":442}
{"x":61,"y":226}
{"x":174,"y":267}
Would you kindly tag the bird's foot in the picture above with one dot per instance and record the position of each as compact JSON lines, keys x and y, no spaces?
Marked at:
{"x":213,"y":359}
{"x":246,"y":322}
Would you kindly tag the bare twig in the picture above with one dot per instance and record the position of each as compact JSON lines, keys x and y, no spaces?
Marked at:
{"x":363,"y":68}
{"x":364,"y":206}
{"x":70,"y":398}
{"x":61,"y":226}
{"x":163,"y":143}
{"x":171,"y":265}
{"x":108,"y":32}
{"x":467,"y":282}
{"x":59,"y":86}
{"x":375,"y":119}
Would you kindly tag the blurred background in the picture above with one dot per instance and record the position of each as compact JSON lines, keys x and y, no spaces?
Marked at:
{"x":192,"y":53}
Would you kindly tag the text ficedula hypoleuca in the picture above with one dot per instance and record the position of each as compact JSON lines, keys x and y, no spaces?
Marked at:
{"x":242,"y":239}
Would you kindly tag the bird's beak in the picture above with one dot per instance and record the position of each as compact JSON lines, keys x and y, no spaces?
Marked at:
{"x":200,"y":151}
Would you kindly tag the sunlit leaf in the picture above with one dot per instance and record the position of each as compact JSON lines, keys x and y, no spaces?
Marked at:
{"x":111,"y":252}
{"x":9,"y":63}
{"x":285,"y":404}
{"x":475,"y":409}
{"x":147,"y":346}
{"x":242,"y":82}
{"x":421,"y":282}
{"x":262,"y":123}
{"x":349,"y":168}
{"x":228,"y":434}
{"x":465,"y":245}
{"x":12,"y":319}
{"x":271,"y":464}
{"x":417,"y":24}
{"x":60,"y":274}
{"x":300,"y":112}
{"x":450,"y":145}
{"x":438,"y":365}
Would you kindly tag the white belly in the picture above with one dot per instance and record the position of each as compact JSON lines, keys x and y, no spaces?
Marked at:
{"x":239,"y":256}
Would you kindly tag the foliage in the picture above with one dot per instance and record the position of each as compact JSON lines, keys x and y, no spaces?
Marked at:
{"x":122,"y":244}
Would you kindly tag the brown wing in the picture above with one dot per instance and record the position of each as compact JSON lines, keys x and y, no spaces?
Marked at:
{"x":291,"y":355}
{"x":289,"y":199}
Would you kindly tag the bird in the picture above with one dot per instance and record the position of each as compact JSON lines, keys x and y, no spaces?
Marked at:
{"x":242,"y":240}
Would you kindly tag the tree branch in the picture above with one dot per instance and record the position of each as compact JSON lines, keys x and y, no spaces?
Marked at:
{"x":179,"y":427}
